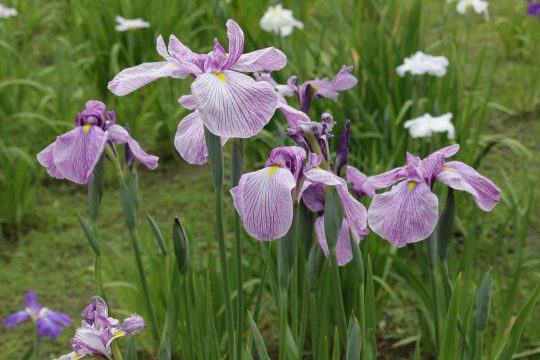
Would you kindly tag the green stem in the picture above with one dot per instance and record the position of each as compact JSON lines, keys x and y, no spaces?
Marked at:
{"x":479,"y":345}
{"x":363,"y":319}
{"x":37,"y":343}
{"x":336,"y":283}
{"x":431,"y":244}
{"x":237,"y":167}
{"x":148,"y":301}
{"x":117,"y":355}
{"x":282,"y":323}
{"x":99,"y":277}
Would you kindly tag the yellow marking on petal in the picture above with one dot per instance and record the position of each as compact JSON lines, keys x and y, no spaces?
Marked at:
{"x":77,"y":356}
{"x":412,"y":185}
{"x":448,"y":168}
{"x":119,"y":333}
{"x":272,"y":169}
{"x":221,"y":76}
{"x":86,"y":128}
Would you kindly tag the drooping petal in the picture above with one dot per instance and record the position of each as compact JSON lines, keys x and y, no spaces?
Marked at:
{"x":47,"y":327}
{"x":268,"y":59}
{"x":16,"y":318}
{"x":312,"y":194}
{"x":344,"y":80}
{"x":360,"y":186}
{"x":236,"y":43}
{"x":231,"y":104}
{"x":120,"y":135}
{"x":130,"y":79}
{"x":388,"y":178}
{"x":189,"y":140}
{"x":461,"y":176}
{"x":77,"y":152}
{"x":133,"y":325}
{"x":344,"y":252}
{"x":294,"y":117}
{"x":405,"y":214}
{"x":263,"y":200}
{"x":59,"y":318}
{"x":46,"y":159}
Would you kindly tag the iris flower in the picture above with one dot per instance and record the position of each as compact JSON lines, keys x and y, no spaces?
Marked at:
{"x":426,"y":125}
{"x":227,"y":102}
{"x":409,"y":211}
{"x":7,"y":12}
{"x":123,"y":24}
{"x":48,"y":323}
{"x":265,"y":199}
{"x":479,"y":6}
{"x":74,"y":155}
{"x":533,"y":8}
{"x":279,"y":20}
{"x":98,"y":331}
{"x":421,"y":63}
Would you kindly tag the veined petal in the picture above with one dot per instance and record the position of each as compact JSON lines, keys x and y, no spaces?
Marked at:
{"x":16,"y":318}
{"x":264,"y":202}
{"x":236,"y":43}
{"x":388,"y":178}
{"x":71,"y":356}
{"x":188,"y":102}
{"x":77,"y":152}
{"x":132,"y":325}
{"x":231,"y":104}
{"x":189,"y":140}
{"x":294,"y":117}
{"x":360,"y":186}
{"x":47,"y":327}
{"x":98,"y":307}
{"x":162,"y":48}
{"x":461,"y":176}
{"x":268,"y":59}
{"x":181,"y":51}
{"x":312,"y":194}
{"x":46,"y":159}
{"x":344,"y":252}
{"x":120,"y":135}
{"x":88,"y":340}
{"x":130,"y":79}
{"x":405,"y":214}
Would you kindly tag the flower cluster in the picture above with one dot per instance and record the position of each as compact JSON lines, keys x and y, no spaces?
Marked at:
{"x":48,"y":323}
{"x":98,"y":331}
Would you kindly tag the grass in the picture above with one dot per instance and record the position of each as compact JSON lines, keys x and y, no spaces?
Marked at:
{"x":52,"y":255}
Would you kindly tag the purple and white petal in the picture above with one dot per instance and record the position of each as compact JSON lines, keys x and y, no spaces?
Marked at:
{"x":77,"y":152}
{"x":461,"y":176}
{"x":388,"y":178}
{"x":46,"y":159}
{"x":268,"y":59}
{"x":130,"y":79}
{"x":89,"y":341}
{"x":98,"y":306}
{"x":344,"y":252}
{"x":16,"y":318}
{"x":188,"y":102}
{"x":264,"y":202}
{"x":236,"y":43}
{"x":312,"y":194}
{"x":294,"y":117}
{"x":120,"y":135}
{"x":189,"y":140}
{"x":405,"y":214}
{"x":132,"y":325}
{"x":71,"y":356}
{"x":289,"y":157}
{"x":31,"y":303}
{"x":360,"y":186}
{"x":47,"y":327}
{"x":344,"y":80}
{"x":59,"y":318}
{"x":231,"y":104}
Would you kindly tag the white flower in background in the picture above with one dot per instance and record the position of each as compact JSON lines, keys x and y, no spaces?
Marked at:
{"x":130,"y":24}
{"x":280,"y":21}
{"x":6,"y":12}
{"x":479,"y":6}
{"x":426,"y":125}
{"x":421,"y":63}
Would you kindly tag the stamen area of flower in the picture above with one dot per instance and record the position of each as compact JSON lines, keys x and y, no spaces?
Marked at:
{"x":411,"y":186}
{"x":86,"y":128}
{"x":272,"y":170}
{"x":448,"y":168}
{"x":119,"y":333}
{"x":221,"y":76}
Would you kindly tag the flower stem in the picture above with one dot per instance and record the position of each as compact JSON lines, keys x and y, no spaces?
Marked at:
{"x":237,"y":167}
{"x":336,"y":283}
{"x":215,"y":155}
{"x":282,"y":323}
{"x":431,"y":244}
{"x":37,"y":343}
{"x":117,"y":355}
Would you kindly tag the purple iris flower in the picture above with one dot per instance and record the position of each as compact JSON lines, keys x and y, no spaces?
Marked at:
{"x":228,"y":103}
{"x":318,"y":88}
{"x":97,"y":332}
{"x":74,"y":155}
{"x":409,"y":211}
{"x":533,"y":8}
{"x":48,"y":323}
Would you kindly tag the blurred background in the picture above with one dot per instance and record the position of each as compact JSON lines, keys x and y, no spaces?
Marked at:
{"x":56,"y":54}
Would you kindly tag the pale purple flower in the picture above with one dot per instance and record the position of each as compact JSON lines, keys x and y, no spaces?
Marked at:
{"x":74,"y":155}
{"x":409,"y":211}
{"x":48,"y":323}
{"x":318,"y":88}
{"x":98,"y":331}
{"x":533,"y":8}
{"x":229,"y":103}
